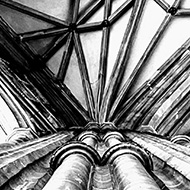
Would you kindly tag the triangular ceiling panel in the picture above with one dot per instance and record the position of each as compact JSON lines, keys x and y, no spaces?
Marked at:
{"x":41,"y":45}
{"x":55,"y":61}
{"x":97,"y":16}
{"x":117,"y":5}
{"x":170,"y":2}
{"x":84,"y":6}
{"x":61,"y":9}
{"x":73,"y":79}
{"x":21,"y":22}
{"x":92,"y":55}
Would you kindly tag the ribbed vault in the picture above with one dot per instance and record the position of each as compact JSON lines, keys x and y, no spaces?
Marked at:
{"x":84,"y":52}
{"x":89,"y":81}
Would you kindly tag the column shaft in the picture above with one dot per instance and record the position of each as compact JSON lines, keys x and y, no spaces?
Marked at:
{"x":73,"y":164}
{"x":131,"y":175}
{"x":128,"y":163}
{"x":72,"y":174}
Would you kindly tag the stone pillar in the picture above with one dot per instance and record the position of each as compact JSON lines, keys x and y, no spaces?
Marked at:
{"x":171,"y":162}
{"x":72,"y":164}
{"x":25,"y":164}
{"x":130,"y":164}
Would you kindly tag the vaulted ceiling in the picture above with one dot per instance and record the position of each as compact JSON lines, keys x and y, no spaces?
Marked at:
{"x":120,"y":61}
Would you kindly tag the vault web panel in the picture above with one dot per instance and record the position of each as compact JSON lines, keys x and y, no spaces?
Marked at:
{"x":97,"y":16}
{"x":92,"y":55}
{"x":185,"y":4}
{"x":61,"y":9}
{"x":117,"y":4}
{"x":21,"y":22}
{"x":42,"y":45}
{"x":55,"y":61}
{"x":73,"y":79}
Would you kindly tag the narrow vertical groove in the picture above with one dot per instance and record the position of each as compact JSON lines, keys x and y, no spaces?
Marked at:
{"x":102,"y":178}
{"x":103,"y":57}
{"x":85,"y":76}
{"x":121,"y":61}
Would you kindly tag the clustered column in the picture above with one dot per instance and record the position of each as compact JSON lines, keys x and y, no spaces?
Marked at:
{"x":73,"y":163}
{"x":129,"y":163}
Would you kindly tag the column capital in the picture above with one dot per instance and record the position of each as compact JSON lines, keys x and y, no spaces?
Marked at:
{"x":74,"y":148}
{"x":112,"y":138}
{"x":127,"y":148}
{"x":88,"y":134}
